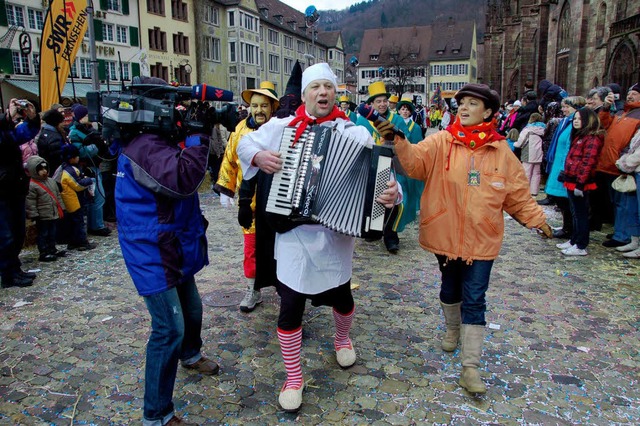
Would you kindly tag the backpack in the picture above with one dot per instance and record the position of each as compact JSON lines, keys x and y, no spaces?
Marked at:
{"x":28,"y":149}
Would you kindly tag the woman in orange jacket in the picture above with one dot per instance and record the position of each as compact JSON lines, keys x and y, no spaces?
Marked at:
{"x":471,"y":177}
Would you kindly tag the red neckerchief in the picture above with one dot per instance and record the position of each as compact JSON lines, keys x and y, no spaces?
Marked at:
{"x":306,"y":120}
{"x":474,"y":136}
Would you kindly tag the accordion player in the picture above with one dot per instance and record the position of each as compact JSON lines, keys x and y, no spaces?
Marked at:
{"x":333,"y":180}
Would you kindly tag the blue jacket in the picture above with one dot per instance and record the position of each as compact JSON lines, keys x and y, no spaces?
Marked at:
{"x":556,"y":156}
{"x":160,"y":226}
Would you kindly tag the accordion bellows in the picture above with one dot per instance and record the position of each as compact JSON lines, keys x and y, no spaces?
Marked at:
{"x":332,"y":179}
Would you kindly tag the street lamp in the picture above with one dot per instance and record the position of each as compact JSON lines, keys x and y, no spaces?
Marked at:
{"x":311,"y":18}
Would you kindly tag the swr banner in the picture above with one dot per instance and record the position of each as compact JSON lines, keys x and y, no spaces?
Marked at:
{"x":64,"y":28}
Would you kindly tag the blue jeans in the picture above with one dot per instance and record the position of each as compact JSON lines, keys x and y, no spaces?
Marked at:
{"x":94,"y":208}
{"x":12,"y":233}
{"x":626,"y":220}
{"x":467,"y":284}
{"x":580,"y":213}
{"x":176,"y":321}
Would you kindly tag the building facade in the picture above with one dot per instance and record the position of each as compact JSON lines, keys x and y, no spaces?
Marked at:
{"x":169,"y":39}
{"x":414,"y":62}
{"x":117,"y":42}
{"x":577,"y":45}
{"x":232,"y":44}
{"x":245,"y":42}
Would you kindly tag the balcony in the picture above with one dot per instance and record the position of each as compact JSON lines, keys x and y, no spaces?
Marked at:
{"x":626,"y":26}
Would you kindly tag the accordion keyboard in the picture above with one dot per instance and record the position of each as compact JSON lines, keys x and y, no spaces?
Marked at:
{"x":281,"y":195}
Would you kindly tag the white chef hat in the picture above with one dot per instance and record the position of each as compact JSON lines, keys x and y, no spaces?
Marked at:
{"x":320,"y":71}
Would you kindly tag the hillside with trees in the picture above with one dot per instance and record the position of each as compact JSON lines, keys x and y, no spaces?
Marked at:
{"x":397,"y":13}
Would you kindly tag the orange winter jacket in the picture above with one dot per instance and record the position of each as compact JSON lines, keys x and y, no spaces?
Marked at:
{"x":620,"y":129}
{"x":462,"y":221}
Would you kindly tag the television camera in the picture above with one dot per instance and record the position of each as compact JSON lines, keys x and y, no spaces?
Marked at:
{"x":163,"y":109}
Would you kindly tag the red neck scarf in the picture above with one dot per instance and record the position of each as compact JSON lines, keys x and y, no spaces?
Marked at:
{"x":474,"y":136}
{"x":306,"y":120}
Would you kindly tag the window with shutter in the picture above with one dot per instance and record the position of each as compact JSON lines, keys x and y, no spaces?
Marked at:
{"x":133,"y":36}
{"x":102,"y":69}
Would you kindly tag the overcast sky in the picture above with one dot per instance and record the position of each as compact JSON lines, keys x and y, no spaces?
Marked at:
{"x":301,"y":5}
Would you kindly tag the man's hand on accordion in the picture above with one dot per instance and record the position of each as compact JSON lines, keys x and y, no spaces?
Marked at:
{"x":389,"y":196}
{"x":267,"y":161}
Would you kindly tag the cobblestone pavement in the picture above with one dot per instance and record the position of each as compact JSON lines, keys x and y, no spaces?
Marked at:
{"x":561,"y":346}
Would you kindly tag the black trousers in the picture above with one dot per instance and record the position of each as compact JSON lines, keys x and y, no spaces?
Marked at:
{"x":292,"y":303}
{"x":567,"y":217}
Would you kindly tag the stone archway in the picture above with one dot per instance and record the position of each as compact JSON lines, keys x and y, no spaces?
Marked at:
{"x":623,"y":67}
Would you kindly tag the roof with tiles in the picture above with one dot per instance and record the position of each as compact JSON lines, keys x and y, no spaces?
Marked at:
{"x":408,"y":44}
{"x":285,"y":17}
{"x":329,"y":38}
{"x":453,"y":41}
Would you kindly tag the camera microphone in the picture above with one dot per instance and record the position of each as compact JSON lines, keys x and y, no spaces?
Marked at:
{"x":203,"y":92}
{"x":373,"y":115}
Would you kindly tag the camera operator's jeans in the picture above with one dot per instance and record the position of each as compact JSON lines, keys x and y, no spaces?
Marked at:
{"x":94,"y":209}
{"x":176,"y":321}
{"x":467,"y":284}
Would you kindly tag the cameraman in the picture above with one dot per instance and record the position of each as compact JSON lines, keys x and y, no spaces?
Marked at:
{"x":90,"y":143}
{"x":162,"y":236}
{"x":14,"y":185}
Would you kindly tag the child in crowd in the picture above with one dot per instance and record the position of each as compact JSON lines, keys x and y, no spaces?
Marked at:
{"x":512,"y":137}
{"x":45,"y":206}
{"x":530,"y":144}
{"x":579,"y":177}
{"x":74,"y":191}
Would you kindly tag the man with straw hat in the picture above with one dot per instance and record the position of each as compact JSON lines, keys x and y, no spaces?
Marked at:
{"x":379,"y":100}
{"x":344,"y":106}
{"x":393,"y":102}
{"x":262,"y":104}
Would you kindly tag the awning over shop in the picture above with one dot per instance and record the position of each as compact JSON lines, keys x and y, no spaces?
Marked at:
{"x":81,"y":89}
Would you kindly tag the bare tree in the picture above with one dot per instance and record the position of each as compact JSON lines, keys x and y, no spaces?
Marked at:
{"x":402,"y":70}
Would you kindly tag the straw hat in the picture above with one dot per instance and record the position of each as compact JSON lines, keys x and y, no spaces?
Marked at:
{"x":408,"y":103}
{"x":394,"y":99}
{"x":266,"y":89}
{"x":377,"y":89}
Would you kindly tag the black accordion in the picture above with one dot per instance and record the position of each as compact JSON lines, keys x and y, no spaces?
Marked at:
{"x":333,"y":180}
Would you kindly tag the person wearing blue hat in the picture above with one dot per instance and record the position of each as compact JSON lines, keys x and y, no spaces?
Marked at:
{"x":76,"y":188}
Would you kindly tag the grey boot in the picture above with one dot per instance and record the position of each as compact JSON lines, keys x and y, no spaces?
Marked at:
{"x":452,"y":321}
{"x":472,"y":339}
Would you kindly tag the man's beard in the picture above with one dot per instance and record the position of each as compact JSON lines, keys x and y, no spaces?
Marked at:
{"x":264,"y":118}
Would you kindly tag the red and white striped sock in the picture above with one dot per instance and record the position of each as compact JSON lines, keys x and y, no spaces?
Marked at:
{"x":290,"y":345}
{"x":343,"y":325}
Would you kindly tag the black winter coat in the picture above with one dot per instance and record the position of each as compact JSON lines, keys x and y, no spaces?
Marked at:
{"x":14,"y":182}
{"x":50,"y":143}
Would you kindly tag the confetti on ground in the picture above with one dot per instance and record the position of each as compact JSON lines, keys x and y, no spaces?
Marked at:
{"x":565,"y":352}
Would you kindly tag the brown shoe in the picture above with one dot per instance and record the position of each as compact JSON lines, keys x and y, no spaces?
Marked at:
{"x":204,"y":366}
{"x":177,"y":421}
